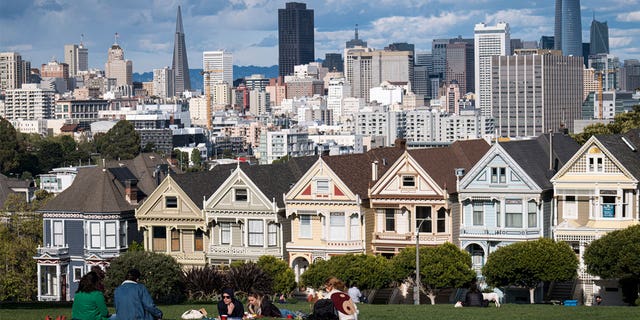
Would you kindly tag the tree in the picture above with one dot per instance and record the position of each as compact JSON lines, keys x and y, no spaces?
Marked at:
{"x":20,"y":235}
{"x":444,"y":266}
{"x":622,"y":123}
{"x":284,"y":280}
{"x":161,"y":274}
{"x":527,"y":264}
{"x":617,"y":256}
{"x":120,"y":142}
{"x":196,"y":158}
{"x":8,"y":147}
{"x":50,"y":155}
{"x":367,"y":271}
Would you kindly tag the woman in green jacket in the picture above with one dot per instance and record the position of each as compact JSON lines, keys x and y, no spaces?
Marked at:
{"x":88,"y":303}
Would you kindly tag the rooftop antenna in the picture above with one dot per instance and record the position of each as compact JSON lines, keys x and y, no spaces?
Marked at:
{"x":116,"y":38}
{"x":356,"y":31}
{"x":82,"y":39}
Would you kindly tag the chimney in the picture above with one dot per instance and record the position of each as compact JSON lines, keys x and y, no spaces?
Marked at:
{"x":131,"y":191}
{"x":374,"y":171}
{"x":401,"y":144}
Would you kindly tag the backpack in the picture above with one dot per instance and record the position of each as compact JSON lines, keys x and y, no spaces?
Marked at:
{"x":324,"y":309}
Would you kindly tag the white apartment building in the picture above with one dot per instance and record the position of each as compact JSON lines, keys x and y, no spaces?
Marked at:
{"x":277,"y":144}
{"x":366,"y":68}
{"x":489,"y":41}
{"x":427,"y":126}
{"x":379,"y":121}
{"x":30,"y":126}
{"x":29,"y":103}
{"x":163,"y":82}
{"x":259,"y":103}
{"x":220,"y":65}
{"x":337,"y":91}
{"x":387,"y":94}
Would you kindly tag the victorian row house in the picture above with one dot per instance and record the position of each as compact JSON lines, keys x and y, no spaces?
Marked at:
{"x":507,"y":196}
{"x":596,"y":192}
{"x":92,"y":222}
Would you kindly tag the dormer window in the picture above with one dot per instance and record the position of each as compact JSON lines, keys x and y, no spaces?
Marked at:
{"x":595,"y":164}
{"x":241,"y":195}
{"x":171,"y":202}
{"x":408,"y":181}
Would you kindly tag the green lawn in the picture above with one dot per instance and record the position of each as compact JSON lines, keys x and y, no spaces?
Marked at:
{"x":382,"y":312}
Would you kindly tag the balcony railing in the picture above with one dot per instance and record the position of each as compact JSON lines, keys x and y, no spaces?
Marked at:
{"x":499,"y":232}
{"x":344,"y":244}
{"x":244,"y":251}
{"x":54,"y":251}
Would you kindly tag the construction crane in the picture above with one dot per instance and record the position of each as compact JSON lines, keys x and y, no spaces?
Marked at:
{"x":207,"y":92}
{"x":600,"y":90}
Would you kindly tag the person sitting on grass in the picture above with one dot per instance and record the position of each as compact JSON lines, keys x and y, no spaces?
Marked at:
{"x":474,"y":297}
{"x":89,"y":303}
{"x":230,"y":306}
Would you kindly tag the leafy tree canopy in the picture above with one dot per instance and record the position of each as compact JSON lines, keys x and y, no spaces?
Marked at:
{"x":366,"y":271}
{"x":443,"y":266}
{"x":120,"y":142}
{"x":8,"y":147}
{"x":284,"y":280}
{"x":527,"y":264}
{"x":615,"y":255}
{"x":20,"y":235}
{"x":161,"y":274}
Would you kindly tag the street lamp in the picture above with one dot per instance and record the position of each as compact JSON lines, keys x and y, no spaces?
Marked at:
{"x":416,"y":289}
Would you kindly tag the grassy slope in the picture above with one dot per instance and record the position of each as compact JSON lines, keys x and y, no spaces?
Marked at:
{"x":395,"y":312}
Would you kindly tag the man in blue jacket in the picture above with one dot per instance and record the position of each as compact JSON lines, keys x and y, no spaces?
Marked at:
{"x":133,"y":301}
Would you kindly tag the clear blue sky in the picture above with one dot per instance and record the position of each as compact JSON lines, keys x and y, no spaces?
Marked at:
{"x":38,"y":29}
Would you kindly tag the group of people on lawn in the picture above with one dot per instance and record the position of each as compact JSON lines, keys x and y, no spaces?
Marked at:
{"x":133,"y":301}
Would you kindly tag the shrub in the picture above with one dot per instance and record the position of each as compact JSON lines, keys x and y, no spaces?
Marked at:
{"x":284,"y":280}
{"x":202,"y":284}
{"x":248,"y":277}
{"x":160,"y":273}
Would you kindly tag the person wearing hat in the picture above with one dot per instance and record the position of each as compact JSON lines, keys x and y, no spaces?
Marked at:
{"x":230,"y":306}
{"x":133,"y":301}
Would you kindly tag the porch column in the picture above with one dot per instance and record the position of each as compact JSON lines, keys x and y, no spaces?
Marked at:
{"x":59,"y":285}
{"x":39,"y":282}
{"x":265,"y":233}
{"x":167,"y":240}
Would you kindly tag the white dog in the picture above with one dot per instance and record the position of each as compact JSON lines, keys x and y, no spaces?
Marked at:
{"x":492,"y":296}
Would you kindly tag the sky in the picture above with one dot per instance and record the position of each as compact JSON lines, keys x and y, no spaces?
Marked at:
{"x":39,"y":29}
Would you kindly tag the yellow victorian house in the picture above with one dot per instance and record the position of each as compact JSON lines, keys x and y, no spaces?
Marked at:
{"x":596,"y":192}
{"x":328,"y":206}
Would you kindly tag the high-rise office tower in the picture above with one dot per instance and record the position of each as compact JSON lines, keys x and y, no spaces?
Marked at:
{"x":460,"y":65}
{"x":608,"y":66}
{"x":220,"y":64}
{"x":489,"y":41}
{"x":630,"y":75}
{"x":11,"y":71}
{"x":599,"y":37}
{"x":439,"y":57}
{"x":180,"y":63}
{"x":546,"y":96}
{"x":295,"y":37}
{"x":163,"y":82}
{"x":356,"y":42}
{"x":117,"y":67}
{"x":365,"y":69}
{"x":568,"y":28}
{"x":333,"y":62}
{"x":546,"y":42}
{"x":77,"y":57}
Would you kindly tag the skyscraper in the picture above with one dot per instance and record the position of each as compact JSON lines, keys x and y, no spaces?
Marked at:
{"x":180,"y":64}
{"x":11,"y":71}
{"x":295,"y":37}
{"x":568,"y":28}
{"x":546,"y":96}
{"x":219,"y":65}
{"x":460,"y":64}
{"x":489,"y":41}
{"x":77,"y":57}
{"x":599,"y":37}
{"x":117,"y":67}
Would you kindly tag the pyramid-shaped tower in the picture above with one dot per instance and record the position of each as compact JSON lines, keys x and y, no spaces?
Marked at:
{"x":180,"y":64}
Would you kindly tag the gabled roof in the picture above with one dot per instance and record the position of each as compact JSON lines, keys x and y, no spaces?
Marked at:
{"x":533,"y":156}
{"x":440,"y":163}
{"x":624,"y":151}
{"x":202,"y":184}
{"x":274,"y":180}
{"x":93,"y":191}
{"x":355,"y":169}
{"x":145,"y":168}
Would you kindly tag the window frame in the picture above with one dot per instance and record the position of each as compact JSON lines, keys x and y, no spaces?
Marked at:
{"x":225,"y":232}
{"x":110,"y":236}
{"x":171,"y":202}
{"x":93,"y":237}
{"x":238,"y":195}
{"x":198,"y":240}
{"x":272,"y":234}
{"x":390,"y":217}
{"x":427,"y":217}
{"x":305,"y":229}
{"x":408,"y":181}
{"x":175,"y":240}
{"x":477,"y":215}
{"x":337,"y":226}
{"x":320,"y":186}
{"x":55,"y":235}
{"x":255,"y":237}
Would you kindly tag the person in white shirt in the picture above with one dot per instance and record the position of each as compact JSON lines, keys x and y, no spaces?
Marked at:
{"x":355,"y":293}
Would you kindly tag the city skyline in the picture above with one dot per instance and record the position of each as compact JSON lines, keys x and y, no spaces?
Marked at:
{"x":249,"y":28}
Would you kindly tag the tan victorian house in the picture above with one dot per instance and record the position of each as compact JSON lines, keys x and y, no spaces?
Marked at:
{"x":328,"y":207}
{"x":172,"y":219}
{"x":418,"y":194}
{"x":596,"y":192}
{"x":246,"y":215}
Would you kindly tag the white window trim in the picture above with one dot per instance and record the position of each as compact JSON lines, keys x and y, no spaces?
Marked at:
{"x":115,"y":234}
{"x":570,"y":209}
{"x":53,"y":233}
{"x":74,"y":273}
{"x":235,"y":199}
{"x":300,"y":234}
{"x":230,"y":233}
{"x":318,"y":191}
